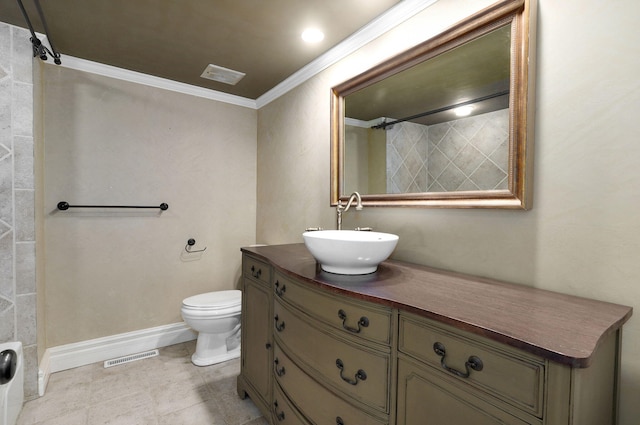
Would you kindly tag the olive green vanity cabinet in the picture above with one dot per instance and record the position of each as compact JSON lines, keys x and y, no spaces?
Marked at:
{"x":333,"y":356}
{"x":256,"y":342}
{"x":446,"y":376}
{"x":410,"y":345}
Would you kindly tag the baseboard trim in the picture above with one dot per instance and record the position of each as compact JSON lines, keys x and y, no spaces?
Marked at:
{"x":63,"y":357}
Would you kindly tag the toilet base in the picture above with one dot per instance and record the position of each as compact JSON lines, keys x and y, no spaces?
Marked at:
{"x":199,"y":360}
{"x":216,"y":348}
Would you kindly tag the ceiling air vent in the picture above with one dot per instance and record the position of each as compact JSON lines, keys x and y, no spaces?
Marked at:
{"x":223,"y":75}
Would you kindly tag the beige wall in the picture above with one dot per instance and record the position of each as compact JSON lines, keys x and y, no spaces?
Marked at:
{"x":113,"y":142}
{"x":581,"y":237}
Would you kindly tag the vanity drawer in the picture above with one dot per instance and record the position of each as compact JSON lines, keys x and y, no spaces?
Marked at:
{"x":362,"y":319}
{"x":283,"y":413}
{"x":359,"y":372}
{"x":426,"y":396}
{"x":509,"y":374}
{"x":256,"y":269}
{"x":314,"y":401}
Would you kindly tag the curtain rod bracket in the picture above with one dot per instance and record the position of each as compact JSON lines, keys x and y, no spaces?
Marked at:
{"x":39,"y":49}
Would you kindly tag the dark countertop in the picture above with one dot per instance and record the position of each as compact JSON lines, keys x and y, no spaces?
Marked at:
{"x":562,"y":328}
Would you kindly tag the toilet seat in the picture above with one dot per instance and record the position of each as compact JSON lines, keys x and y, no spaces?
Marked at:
{"x":214,"y":300}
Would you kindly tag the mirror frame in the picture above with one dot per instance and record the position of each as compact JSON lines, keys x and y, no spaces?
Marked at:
{"x":521,"y":15}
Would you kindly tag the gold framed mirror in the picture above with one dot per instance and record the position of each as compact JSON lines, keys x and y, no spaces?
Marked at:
{"x":395,"y":135}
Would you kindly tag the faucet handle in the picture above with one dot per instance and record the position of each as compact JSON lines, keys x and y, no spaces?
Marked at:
{"x":312,"y":229}
{"x":364,"y":229}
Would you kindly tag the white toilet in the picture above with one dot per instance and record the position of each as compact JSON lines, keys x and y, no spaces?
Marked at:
{"x":216,"y":317}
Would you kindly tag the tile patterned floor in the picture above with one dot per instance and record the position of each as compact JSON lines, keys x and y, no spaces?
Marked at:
{"x":162,"y":390}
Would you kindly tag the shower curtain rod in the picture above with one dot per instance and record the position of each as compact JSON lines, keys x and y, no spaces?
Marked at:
{"x":384,"y":125}
{"x":40,"y":49}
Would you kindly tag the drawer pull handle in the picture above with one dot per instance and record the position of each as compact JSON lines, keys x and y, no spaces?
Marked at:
{"x":279,"y":372}
{"x":360,"y":374}
{"x":362,"y":323}
{"x":339,"y":421}
{"x":279,"y":326}
{"x":280,"y":292}
{"x":473,"y":362}
{"x":279,"y":415}
{"x":256,"y":273}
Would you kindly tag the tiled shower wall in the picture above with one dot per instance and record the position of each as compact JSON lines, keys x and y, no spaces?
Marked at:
{"x":17,"y":230}
{"x":465,"y":154}
{"x":407,"y":148}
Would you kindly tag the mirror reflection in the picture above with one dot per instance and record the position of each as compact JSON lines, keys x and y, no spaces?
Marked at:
{"x":447,"y":123}
{"x":439,"y":126}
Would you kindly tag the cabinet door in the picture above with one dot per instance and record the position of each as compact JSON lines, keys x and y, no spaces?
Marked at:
{"x":427,"y":398}
{"x":256,"y":341}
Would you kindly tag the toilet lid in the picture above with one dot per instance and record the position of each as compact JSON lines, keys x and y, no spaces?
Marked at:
{"x":214,"y":300}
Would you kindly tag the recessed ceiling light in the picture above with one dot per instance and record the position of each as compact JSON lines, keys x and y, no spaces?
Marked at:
{"x":463,"y":111}
{"x":312,"y":35}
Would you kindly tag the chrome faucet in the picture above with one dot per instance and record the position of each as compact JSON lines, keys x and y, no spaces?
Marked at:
{"x":342,"y":209}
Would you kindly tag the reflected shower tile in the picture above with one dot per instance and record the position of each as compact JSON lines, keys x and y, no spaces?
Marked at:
{"x":503,"y":185}
{"x":468,"y":185}
{"x":468,"y":159}
{"x":413,"y":162}
{"x":422,"y":179}
{"x":394,"y":161}
{"x":403,"y":143}
{"x":437,"y":162}
{"x":468,"y":127}
{"x":500,"y":156}
{"x":451,"y":178}
{"x":437,"y":132}
{"x":488,"y":138}
{"x":488,"y":175}
{"x":452,"y":143}
{"x":402,"y":179}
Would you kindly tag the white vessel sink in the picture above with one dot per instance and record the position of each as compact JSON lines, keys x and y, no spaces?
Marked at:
{"x":350,"y":251}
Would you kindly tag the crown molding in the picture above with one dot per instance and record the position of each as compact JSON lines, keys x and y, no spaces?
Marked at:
{"x":374,"y":29}
{"x":72,"y":62}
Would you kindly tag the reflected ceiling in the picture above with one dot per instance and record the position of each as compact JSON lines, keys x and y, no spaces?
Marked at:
{"x":177,"y":39}
{"x":476,"y":69}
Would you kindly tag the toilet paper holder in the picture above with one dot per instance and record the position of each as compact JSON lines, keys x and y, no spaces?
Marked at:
{"x":191,"y":242}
